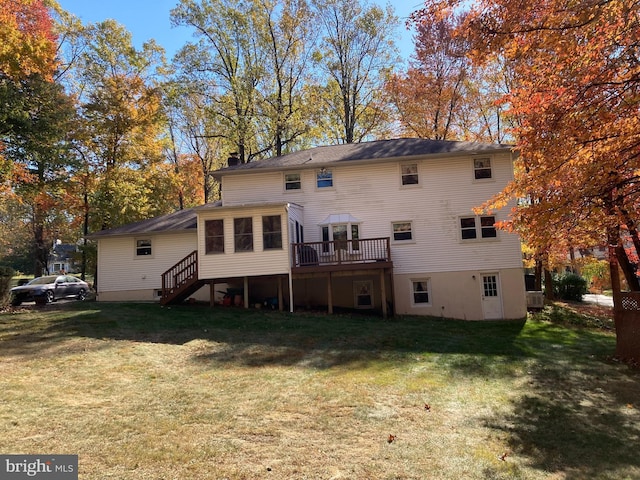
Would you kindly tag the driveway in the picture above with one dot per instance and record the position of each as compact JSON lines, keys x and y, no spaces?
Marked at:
{"x":598,"y":299}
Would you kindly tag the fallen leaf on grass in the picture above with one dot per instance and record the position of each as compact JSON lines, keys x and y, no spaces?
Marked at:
{"x":391,"y":438}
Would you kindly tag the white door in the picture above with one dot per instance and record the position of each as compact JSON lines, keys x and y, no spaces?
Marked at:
{"x":491,"y":298}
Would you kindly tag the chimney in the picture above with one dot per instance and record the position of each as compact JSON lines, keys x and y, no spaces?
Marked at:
{"x":233,"y":159}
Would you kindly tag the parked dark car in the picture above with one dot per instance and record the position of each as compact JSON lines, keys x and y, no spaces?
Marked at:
{"x":49,"y":289}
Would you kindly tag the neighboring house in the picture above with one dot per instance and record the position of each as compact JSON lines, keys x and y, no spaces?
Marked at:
{"x":385,"y":225}
{"x":62,"y":258}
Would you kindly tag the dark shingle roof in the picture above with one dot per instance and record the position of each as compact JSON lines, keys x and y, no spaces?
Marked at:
{"x":379,"y":150}
{"x":180,"y":221}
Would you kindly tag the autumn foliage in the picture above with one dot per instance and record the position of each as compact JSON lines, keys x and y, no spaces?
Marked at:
{"x":575,"y":96}
{"x":29,"y":42}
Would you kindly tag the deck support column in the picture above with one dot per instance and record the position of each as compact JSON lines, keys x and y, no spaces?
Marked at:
{"x":383,"y":293}
{"x":212,"y":293}
{"x":280,"y":297}
{"x":246,"y":292}
{"x":329,"y":294}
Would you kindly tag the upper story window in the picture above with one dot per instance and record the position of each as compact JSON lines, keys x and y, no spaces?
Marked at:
{"x":243,"y":234}
{"x":402,"y":231}
{"x":272,"y":232}
{"x":324,"y":178}
{"x":478,"y":227}
{"x":143,"y":247}
{"x":292,"y":181}
{"x":409,"y":174}
{"x":213,"y":236}
{"x":482,"y":168}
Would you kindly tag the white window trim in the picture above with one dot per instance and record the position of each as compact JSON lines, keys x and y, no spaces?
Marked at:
{"x":135,"y":248}
{"x":333,"y":179}
{"x":473,"y":169}
{"x":478,"y":228}
{"x":349,"y":236}
{"x":413,"y":303}
{"x":356,"y":287}
{"x":411,"y":185}
{"x":403,"y":242}
{"x":284,"y":182}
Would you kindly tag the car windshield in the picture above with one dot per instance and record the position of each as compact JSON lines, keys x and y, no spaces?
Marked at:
{"x":43,"y":280}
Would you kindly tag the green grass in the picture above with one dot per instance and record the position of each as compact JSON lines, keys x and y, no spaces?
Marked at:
{"x":139,"y":391}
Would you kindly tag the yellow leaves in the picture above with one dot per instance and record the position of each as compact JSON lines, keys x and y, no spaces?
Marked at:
{"x":28,"y":43}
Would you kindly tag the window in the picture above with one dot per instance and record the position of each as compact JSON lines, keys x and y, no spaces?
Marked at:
{"x":409,"y":174}
{"x":243,"y":234}
{"x":490,"y":285}
{"x":324,"y":178}
{"x":420,"y":292}
{"x":272,"y":232}
{"x":143,"y":247}
{"x":468,"y":228}
{"x":292,"y":181}
{"x":471,"y":229}
{"x":402,"y":231}
{"x":344,"y":235}
{"x":488,"y":227}
{"x":482,"y":168}
{"x":213,"y":236}
{"x":363,"y":297}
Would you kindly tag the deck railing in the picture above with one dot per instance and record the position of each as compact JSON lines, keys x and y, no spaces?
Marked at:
{"x":181,"y":274}
{"x":341,"y":252}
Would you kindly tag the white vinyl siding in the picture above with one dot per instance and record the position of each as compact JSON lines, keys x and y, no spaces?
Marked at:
{"x":377,"y":199}
{"x":231,"y":263}
{"x":117,"y":271}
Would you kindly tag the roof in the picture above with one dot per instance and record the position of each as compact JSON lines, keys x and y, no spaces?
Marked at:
{"x":180,"y":221}
{"x":376,"y":151}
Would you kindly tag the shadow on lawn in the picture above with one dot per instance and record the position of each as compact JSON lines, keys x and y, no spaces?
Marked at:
{"x":581,"y":415}
{"x":258,"y":337}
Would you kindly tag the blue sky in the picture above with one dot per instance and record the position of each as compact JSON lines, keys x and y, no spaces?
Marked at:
{"x":147,"y":19}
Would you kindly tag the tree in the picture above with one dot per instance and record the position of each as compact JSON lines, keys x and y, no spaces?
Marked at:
{"x":227,"y":63}
{"x":288,"y":39}
{"x":121,"y":138}
{"x":35,"y":130}
{"x":576,"y":94}
{"x":28,"y":48}
{"x":443,"y":95}
{"x":357,"y":50}
{"x":29,"y":41}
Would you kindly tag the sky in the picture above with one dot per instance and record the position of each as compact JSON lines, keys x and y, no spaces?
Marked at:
{"x":147,"y":19}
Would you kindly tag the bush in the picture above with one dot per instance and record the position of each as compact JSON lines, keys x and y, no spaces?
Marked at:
{"x":570,"y":286}
{"x":6,"y":275}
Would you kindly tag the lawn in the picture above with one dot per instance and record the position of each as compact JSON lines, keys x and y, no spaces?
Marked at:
{"x":144,"y":392}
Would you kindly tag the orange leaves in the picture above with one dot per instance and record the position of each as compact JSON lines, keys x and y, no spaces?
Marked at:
{"x":28,"y":40}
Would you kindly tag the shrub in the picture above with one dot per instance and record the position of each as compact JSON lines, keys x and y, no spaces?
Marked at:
{"x":6,"y":275}
{"x":570,"y":286}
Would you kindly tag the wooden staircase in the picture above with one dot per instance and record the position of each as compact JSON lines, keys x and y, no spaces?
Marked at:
{"x":181,"y":280}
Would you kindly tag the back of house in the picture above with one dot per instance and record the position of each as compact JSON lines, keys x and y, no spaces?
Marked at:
{"x":386,"y":226}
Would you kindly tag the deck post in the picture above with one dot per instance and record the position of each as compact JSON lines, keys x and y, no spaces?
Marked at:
{"x":383,"y":293}
{"x":246,"y":292}
{"x":280,"y":298}
{"x":212,"y":293}
{"x":329,"y":294}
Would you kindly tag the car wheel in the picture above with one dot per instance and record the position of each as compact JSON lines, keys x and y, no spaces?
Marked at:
{"x":81,"y":294}
{"x":49,"y":296}
{"x":15,"y":302}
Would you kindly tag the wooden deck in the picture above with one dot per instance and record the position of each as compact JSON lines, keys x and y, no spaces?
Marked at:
{"x":362,"y":254}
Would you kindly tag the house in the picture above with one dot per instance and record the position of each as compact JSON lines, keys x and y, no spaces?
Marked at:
{"x":62,"y":258}
{"x":384,"y":225}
